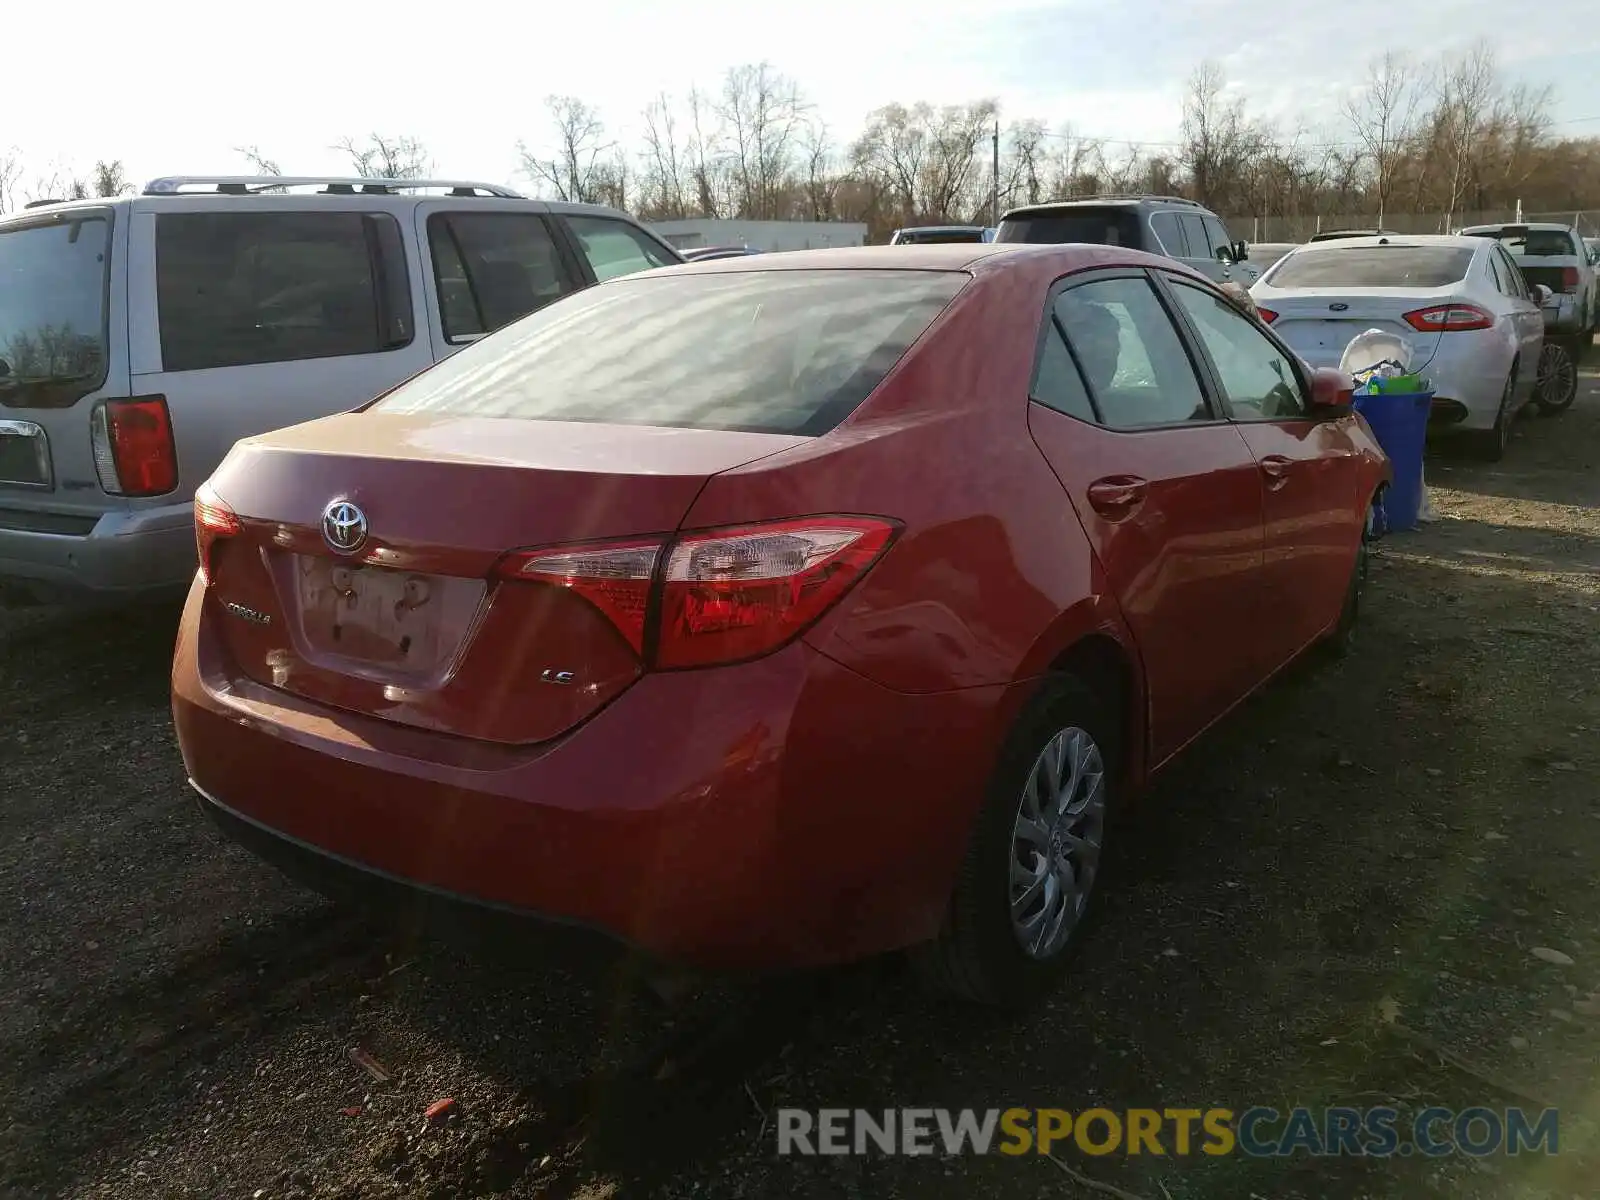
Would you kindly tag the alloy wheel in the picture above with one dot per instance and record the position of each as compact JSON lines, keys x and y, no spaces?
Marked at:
{"x":1558,"y":378}
{"x":1056,"y":842}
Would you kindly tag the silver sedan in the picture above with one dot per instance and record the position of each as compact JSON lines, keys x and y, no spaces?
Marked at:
{"x":1473,"y":322}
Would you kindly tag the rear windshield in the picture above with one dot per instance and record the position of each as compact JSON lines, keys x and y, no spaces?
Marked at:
{"x":931,"y":237}
{"x":791,"y":352}
{"x":1099,"y":226}
{"x":1373,"y":266}
{"x":1533,"y":243}
{"x":53,"y":275}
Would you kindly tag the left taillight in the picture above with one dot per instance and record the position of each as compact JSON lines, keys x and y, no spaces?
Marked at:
{"x":1449,"y":318}
{"x":134,"y":453}
{"x":714,"y":596}
{"x":213,"y":520}
{"x":1569,"y":280}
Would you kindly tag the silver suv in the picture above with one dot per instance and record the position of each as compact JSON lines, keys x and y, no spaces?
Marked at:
{"x":1166,"y":225}
{"x":140,"y":337}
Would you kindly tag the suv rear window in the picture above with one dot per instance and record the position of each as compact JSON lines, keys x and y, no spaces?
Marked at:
{"x":1334,"y":265}
{"x":791,"y":352}
{"x":53,"y":283}
{"x":234,"y":289}
{"x":936,"y":237}
{"x":1101,"y":226}
{"x":1534,"y":243}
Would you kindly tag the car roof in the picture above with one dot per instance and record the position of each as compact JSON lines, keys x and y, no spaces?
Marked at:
{"x":1332,"y":245}
{"x":977,"y":258}
{"x":1541,"y":226}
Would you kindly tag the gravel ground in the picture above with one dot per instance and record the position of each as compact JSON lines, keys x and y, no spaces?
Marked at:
{"x":1334,"y":900}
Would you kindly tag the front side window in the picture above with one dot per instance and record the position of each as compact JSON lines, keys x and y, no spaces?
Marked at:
{"x":1131,"y":356}
{"x":1258,"y":379}
{"x":492,"y":268}
{"x":234,"y":289}
{"x":1194,"y":233}
{"x":1216,"y":235}
{"x":53,"y":286}
{"x":616,"y":248}
{"x":790,"y":352}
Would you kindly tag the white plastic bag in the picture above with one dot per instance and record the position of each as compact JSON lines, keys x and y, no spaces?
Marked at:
{"x":1377,"y":352}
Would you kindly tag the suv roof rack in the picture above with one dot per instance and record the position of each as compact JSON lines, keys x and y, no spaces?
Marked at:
{"x":1103,"y":196}
{"x":246,"y":185}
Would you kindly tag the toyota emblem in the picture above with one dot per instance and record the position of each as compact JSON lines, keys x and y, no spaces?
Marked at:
{"x":344,"y":526}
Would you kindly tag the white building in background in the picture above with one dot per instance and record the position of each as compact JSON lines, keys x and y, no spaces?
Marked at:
{"x":762,"y":235}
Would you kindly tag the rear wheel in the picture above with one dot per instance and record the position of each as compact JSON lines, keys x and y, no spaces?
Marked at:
{"x":1492,"y":443}
{"x":1034,"y":861}
{"x":1558,"y":379}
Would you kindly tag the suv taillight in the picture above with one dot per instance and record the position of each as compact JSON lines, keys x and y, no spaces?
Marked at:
{"x":213,"y":519}
{"x":1569,"y":280}
{"x":1266,"y":314}
{"x":715,"y":596}
{"x":134,"y":453}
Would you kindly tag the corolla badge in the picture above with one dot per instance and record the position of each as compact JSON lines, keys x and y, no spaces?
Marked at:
{"x":1339,"y":307}
{"x":344,"y":526}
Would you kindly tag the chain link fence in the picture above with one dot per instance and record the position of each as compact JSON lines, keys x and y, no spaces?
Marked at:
{"x":1297,"y":229}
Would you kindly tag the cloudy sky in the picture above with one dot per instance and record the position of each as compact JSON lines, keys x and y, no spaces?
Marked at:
{"x":173,"y":86}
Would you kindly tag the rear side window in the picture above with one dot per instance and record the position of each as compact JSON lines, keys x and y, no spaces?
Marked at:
{"x":1373,"y":266}
{"x":492,"y":268}
{"x":1111,"y":226}
{"x":1132,"y":358}
{"x":1170,"y":232}
{"x":616,"y":248}
{"x":235,"y":289}
{"x":791,"y":352}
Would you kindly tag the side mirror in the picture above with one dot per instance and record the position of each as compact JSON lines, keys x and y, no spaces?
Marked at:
{"x":1541,"y":294}
{"x":1225,"y":255}
{"x":1241,"y":252}
{"x":1331,"y":391}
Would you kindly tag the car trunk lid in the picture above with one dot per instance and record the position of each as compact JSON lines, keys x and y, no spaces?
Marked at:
{"x":1319,"y":323}
{"x":410,"y":623}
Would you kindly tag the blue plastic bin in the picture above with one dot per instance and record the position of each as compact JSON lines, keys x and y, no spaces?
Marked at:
{"x":1400,"y":423}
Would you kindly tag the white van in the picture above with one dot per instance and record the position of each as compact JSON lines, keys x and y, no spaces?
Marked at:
{"x":141,"y":336}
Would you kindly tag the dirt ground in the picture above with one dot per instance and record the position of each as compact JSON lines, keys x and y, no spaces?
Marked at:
{"x":1334,"y":900}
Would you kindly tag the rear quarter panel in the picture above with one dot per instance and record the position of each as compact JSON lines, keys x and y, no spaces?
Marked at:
{"x":992,"y":576}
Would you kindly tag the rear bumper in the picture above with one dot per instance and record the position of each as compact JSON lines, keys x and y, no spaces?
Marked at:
{"x":1561,"y":315}
{"x":125,"y":555}
{"x":781,"y":813}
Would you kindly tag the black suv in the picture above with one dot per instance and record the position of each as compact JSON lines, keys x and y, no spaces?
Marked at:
{"x":1167,"y":225}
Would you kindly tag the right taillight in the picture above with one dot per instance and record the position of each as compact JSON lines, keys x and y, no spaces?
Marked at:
{"x":1266,"y":314}
{"x":134,"y":454}
{"x":714,"y":596}
{"x":1449,"y":318}
{"x":213,"y":519}
{"x":1569,"y":280}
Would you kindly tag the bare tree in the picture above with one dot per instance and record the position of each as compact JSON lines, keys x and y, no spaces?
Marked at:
{"x":763,"y":114}
{"x":664,"y":185}
{"x":259,"y":162}
{"x":109,"y":179}
{"x":10,"y":176}
{"x":704,"y":154}
{"x":380,"y":156}
{"x":1220,"y":141}
{"x":1384,"y":119}
{"x":582,"y":155}
{"x":822,"y":181}
{"x":1467,"y":87}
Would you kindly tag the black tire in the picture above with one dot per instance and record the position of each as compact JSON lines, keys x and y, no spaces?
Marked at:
{"x":978,"y":955}
{"x":1342,"y":641}
{"x":1558,"y":379}
{"x":1492,"y":443}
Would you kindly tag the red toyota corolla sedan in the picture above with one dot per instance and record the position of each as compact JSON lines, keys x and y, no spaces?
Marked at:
{"x":775,"y":611}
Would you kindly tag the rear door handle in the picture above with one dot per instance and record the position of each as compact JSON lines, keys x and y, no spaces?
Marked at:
{"x":1276,"y":468}
{"x":1117,"y":496}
